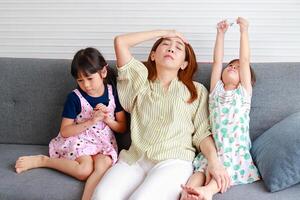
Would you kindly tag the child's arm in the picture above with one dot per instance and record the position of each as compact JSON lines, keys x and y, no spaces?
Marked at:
{"x":119,"y":125}
{"x":218,"y":54}
{"x":69,"y":128}
{"x":123,"y":43}
{"x":245,"y":73}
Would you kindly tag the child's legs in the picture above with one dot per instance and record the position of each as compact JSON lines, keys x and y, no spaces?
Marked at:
{"x":119,"y":182}
{"x":101,"y":164}
{"x":196,"y":180}
{"x":205,"y":192}
{"x":163,"y":180}
{"x":80,"y":168}
{"x":212,"y":186}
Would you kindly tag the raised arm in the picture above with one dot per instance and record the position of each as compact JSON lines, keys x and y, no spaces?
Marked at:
{"x":218,"y":54}
{"x":245,"y":73}
{"x":123,"y":43}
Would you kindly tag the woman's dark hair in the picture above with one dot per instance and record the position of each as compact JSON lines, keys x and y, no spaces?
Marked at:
{"x":89,"y":61}
{"x":185,"y":76}
{"x":253,"y":76}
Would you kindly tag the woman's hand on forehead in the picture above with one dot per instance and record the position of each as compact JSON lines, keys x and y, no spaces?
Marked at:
{"x":176,"y":34}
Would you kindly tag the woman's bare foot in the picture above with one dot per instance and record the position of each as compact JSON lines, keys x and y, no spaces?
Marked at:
{"x":25,"y":163}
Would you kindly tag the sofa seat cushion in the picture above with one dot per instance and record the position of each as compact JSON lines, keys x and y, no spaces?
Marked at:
{"x":277,"y":154}
{"x":258,"y":191}
{"x":39,"y":183}
{"x":48,"y":184}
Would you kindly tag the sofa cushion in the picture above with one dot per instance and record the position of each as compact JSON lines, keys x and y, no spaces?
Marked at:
{"x":40,"y":183}
{"x":257,"y":191}
{"x":277,"y":154}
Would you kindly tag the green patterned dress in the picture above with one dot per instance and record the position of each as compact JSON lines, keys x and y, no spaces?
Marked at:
{"x":229,"y":117}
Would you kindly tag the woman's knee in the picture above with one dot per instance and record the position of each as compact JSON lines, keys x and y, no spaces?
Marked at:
{"x":114,"y":184}
{"x":136,"y":196}
{"x":103,"y":192}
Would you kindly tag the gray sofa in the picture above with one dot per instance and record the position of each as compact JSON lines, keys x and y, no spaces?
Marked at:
{"x":31,"y":100}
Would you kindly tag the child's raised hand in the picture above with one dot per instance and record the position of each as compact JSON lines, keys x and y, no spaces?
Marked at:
{"x":174,"y":33}
{"x":222,"y":26}
{"x":243,"y":24}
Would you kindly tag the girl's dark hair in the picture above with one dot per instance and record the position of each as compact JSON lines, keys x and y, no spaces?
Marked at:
{"x":89,"y":61}
{"x":253,"y":76}
{"x":185,"y":76}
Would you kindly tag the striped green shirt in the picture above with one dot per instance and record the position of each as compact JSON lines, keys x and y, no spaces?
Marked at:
{"x":163,"y":125}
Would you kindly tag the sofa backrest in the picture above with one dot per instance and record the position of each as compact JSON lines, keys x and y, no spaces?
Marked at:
{"x":33,"y":92}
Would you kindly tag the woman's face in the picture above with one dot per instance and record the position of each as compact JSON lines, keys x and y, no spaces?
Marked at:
{"x":170,"y":54}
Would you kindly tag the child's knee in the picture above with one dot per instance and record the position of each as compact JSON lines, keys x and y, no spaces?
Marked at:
{"x":84,"y":172}
{"x":103,"y":161}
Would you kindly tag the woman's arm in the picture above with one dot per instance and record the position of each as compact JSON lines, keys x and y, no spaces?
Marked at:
{"x":215,"y":167}
{"x":245,"y":73}
{"x":218,"y":54}
{"x":123,"y":43}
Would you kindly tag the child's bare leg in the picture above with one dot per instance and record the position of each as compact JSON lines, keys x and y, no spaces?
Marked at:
{"x":25,"y":163}
{"x":196,"y":180}
{"x":80,"y":168}
{"x":101,"y":164}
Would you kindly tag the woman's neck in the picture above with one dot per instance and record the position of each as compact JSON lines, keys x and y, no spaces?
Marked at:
{"x":166,"y":77}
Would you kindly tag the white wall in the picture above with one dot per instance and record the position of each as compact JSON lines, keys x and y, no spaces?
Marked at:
{"x":58,"y":28}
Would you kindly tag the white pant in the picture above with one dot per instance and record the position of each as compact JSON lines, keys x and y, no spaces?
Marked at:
{"x":144,"y":180}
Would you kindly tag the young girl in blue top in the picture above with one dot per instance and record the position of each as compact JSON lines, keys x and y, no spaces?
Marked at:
{"x":85,"y":146}
{"x":229,"y":106}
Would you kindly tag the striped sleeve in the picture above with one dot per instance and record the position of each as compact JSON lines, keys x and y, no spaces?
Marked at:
{"x":132,"y":79}
{"x":201,"y":120}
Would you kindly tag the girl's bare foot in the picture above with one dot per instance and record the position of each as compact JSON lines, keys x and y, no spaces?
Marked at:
{"x":25,"y":163}
{"x":201,"y":193}
{"x":204,"y":193}
{"x":188,"y":193}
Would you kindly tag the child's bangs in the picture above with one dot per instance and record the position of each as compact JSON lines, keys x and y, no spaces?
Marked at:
{"x":86,"y":68}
